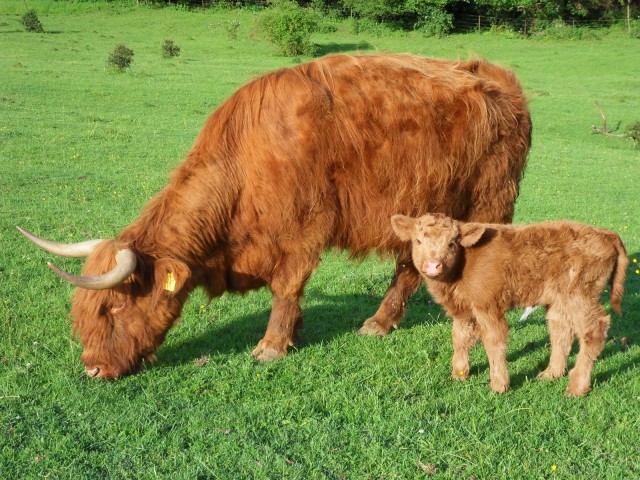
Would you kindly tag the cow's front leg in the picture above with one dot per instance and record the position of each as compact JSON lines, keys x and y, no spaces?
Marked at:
{"x":282,"y":330}
{"x":404,"y":284}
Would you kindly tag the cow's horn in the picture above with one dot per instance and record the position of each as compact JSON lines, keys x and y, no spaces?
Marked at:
{"x":125,"y":265}
{"x":74,"y":250}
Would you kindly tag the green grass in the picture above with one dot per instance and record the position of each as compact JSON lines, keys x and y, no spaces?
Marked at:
{"x":83,"y":147}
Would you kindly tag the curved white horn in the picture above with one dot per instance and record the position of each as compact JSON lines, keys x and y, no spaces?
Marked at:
{"x":75,"y":250}
{"x":125,"y":265}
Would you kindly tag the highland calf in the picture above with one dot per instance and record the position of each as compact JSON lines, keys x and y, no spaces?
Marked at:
{"x":478,"y":271}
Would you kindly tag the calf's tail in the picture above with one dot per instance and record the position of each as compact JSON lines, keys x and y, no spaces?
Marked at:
{"x":618,"y":276}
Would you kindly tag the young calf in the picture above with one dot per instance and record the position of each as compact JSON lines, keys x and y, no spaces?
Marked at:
{"x":478,"y":271}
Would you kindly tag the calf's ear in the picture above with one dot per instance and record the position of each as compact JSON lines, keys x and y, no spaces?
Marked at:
{"x":471,"y":233}
{"x":403,"y":226}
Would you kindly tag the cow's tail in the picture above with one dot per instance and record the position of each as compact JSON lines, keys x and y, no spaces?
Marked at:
{"x":619,"y":274}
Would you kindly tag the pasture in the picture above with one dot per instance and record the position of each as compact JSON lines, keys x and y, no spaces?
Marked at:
{"x":83,"y":147}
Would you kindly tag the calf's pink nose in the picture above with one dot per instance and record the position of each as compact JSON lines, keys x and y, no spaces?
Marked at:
{"x":432,"y":268}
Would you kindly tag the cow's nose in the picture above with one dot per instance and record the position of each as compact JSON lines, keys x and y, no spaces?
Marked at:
{"x":93,"y":372}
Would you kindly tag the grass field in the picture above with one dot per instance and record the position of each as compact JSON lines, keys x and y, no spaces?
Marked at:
{"x":83,"y":147}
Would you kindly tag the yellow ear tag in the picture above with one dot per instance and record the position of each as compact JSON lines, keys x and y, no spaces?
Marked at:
{"x":170,"y":282}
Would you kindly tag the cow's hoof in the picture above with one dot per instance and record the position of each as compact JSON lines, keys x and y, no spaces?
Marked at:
{"x":267,"y":353}
{"x":372,"y":328}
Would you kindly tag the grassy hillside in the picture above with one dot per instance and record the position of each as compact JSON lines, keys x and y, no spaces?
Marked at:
{"x":83,"y":147}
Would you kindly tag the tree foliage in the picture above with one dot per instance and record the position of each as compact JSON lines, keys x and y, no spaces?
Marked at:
{"x":510,"y":11}
{"x":437,"y":17}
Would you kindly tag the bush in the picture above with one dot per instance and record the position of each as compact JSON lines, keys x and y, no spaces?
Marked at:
{"x":634,"y":30}
{"x":633,"y":132}
{"x":435,"y":22}
{"x":169,"y":49}
{"x":232,"y":27}
{"x":120,"y":58}
{"x":563,"y":31}
{"x":31,"y":22}
{"x":370,"y":27}
{"x":290,"y":26}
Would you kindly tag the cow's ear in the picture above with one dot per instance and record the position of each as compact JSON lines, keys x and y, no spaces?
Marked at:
{"x":471,"y":233}
{"x":170,"y":275}
{"x":403,"y":226}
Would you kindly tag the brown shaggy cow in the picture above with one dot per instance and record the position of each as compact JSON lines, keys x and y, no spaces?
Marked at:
{"x":296,"y":161}
{"x":478,"y":271}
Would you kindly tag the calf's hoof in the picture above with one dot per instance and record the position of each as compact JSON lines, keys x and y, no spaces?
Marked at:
{"x":266,"y":352}
{"x":460,"y":375}
{"x":579,"y":384}
{"x":550,"y":374}
{"x":577,"y":388}
{"x":371,"y":327}
{"x":499,"y":386}
{"x":579,"y":391}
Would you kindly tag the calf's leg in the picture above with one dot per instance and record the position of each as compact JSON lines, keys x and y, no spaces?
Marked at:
{"x":464,"y":334}
{"x":561,"y":338}
{"x":592,"y":333}
{"x":404,"y":284}
{"x":494,"y":333}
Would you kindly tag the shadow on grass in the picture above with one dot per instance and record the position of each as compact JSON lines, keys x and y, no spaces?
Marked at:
{"x":341,"y":48}
{"x":333,"y":316}
{"x":612,"y":348}
{"x":329,"y":317}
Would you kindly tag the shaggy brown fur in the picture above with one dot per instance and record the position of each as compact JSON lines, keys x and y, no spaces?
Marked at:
{"x":478,"y":271}
{"x":300,"y":160}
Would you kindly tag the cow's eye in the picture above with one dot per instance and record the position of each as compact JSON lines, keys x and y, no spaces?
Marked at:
{"x":418,"y":242}
{"x":452,"y":245}
{"x":118,"y":307}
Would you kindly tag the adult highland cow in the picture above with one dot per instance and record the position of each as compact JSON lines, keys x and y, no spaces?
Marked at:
{"x":299,"y":160}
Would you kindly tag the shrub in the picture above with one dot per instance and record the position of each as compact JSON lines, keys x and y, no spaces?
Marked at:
{"x":633,"y":132}
{"x":563,"y":31}
{"x":31,"y":22}
{"x":634,"y":29}
{"x":170,"y":49}
{"x":290,"y":26}
{"x":232,"y":27}
{"x":435,"y":22}
{"x":120,"y":58}
{"x":371,"y":27}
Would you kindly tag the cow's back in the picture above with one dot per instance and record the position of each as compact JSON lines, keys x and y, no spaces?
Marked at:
{"x":342,"y":143}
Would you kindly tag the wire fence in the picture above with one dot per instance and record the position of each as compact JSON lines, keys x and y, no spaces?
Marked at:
{"x":468,"y":23}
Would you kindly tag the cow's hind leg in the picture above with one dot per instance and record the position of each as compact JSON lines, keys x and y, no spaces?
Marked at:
{"x":592,"y":333}
{"x":404,"y":284}
{"x":561,"y":338}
